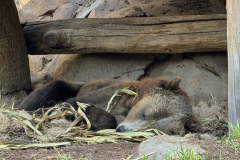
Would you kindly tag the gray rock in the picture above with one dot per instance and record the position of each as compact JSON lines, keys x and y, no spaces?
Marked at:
{"x":38,"y":62}
{"x":65,"y":11}
{"x":161,"y":146}
{"x":37,"y":69}
{"x":36,"y":10}
{"x":203,"y":75}
{"x":100,"y":66}
{"x":149,"y":8}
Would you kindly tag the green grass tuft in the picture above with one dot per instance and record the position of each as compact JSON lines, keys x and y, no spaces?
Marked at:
{"x":234,"y":131}
{"x":233,"y":138}
{"x":186,"y":154}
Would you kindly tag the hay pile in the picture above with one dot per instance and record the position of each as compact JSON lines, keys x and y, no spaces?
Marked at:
{"x":12,"y":131}
{"x":20,"y":130}
{"x":213,"y":115}
{"x":14,"y":127}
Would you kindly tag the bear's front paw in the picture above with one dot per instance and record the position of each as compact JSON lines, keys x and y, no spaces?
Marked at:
{"x":99,"y":118}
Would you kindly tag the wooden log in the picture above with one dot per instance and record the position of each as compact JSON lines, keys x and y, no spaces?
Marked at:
{"x":233,"y":38}
{"x":173,"y":34}
{"x":14,"y":63}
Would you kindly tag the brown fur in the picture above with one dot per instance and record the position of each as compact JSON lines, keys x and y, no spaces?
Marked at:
{"x":160,"y":99}
{"x":173,"y":114}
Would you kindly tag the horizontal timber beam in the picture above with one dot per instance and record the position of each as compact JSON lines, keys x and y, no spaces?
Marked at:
{"x":170,"y":34}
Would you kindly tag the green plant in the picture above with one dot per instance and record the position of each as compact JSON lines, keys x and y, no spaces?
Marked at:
{"x":233,"y":137}
{"x":186,"y":154}
{"x":234,"y":131}
{"x":145,"y":158}
{"x":63,"y":158}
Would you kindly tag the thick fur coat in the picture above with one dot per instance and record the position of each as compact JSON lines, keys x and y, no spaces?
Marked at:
{"x":160,"y":103}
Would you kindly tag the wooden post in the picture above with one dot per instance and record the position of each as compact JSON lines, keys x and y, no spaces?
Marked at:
{"x":233,"y":38}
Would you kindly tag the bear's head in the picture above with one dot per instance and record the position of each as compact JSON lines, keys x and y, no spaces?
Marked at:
{"x":157,"y":99}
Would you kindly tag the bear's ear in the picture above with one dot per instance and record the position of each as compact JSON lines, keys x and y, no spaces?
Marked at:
{"x":175,"y":83}
{"x":166,"y":83}
{"x":163,"y":83}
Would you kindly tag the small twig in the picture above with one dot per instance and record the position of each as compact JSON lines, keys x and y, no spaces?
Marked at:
{"x":59,"y":155}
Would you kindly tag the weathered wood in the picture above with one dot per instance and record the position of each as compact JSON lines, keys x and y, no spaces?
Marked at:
{"x":174,"y":34}
{"x":233,"y":37}
{"x":14,"y":65}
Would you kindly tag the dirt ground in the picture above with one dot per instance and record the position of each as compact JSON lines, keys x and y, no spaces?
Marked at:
{"x":122,"y":149}
{"x":119,"y":150}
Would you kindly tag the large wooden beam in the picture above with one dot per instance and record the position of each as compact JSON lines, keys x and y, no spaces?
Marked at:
{"x":173,"y":34}
{"x":233,"y":37}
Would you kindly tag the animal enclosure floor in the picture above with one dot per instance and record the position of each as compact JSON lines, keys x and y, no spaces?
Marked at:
{"x":110,"y":151}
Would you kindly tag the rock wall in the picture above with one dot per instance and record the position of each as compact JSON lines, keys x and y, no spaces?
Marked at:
{"x":149,"y":8}
{"x":204,"y":75}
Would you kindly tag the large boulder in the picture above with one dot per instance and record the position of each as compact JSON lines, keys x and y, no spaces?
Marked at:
{"x":99,"y":66}
{"x":161,"y":146}
{"x":203,"y":75}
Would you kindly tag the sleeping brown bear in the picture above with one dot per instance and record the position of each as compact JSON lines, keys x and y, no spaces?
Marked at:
{"x":160,"y":102}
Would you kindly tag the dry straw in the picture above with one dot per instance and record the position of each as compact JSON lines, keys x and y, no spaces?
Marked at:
{"x":38,"y":127}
